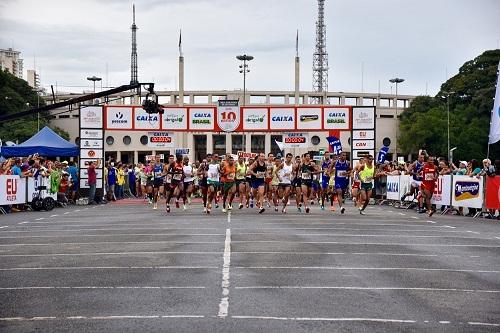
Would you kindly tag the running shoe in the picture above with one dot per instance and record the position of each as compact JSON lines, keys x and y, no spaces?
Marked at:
{"x":204,"y":209}
{"x":322,"y":207}
{"x":403,"y":198}
{"x":168,"y":208}
{"x":332,"y":209}
{"x":216,"y":205}
{"x":150,"y":201}
{"x":251,"y":203}
{"x":283,"y":210}
{"x":275,"y":208}
{"x":268,"y":204}
{"x":223,"y":210}
{"x":307,"y":210}
{"x":184,"y":207}
{"x":312,"y":202}
{"x":361,"y":211}
{"x":155,"y":206}
{"x":262,"y":210}
{"x":230,"y":207}
{"x":240,"y":206}
{"x":342,"y":210}
{"x":176,"y":203}
{"x":430,"y":212}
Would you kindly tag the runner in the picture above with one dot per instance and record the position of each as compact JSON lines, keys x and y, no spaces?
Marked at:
{"x":258,"y":171}
{"x":228,"y":173}
{"x":307,"y":169}
{"x":366,"y":176}
{"x":175,"y":173}
{"x":188,"y":186}
{"x":158,"y":174}
{"x":202,"y":180}
{"x":213,"y":181}
{"x":248,"y":178}
{"x":269,"y":178}
{"x":273,"y":186}
{"x":342,"y":170}
{"x":297,"y":183}
{"x":241,"y":184}
{"x":429,"y":177}
{"x":325,"y":179}
{"x":285,"y":174}
{"x":148,"y":175}
{"x":415,"y":170}
{"x":356,"y":184}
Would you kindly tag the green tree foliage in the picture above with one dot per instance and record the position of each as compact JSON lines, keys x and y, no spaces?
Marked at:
{"x":16,"y":96}
{"x":470,"y":96}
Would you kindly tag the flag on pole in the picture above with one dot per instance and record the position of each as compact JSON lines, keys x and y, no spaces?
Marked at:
{"x":495,"y":114}
{"x":381,"y":154}
{"x":280,"y":145}
{"x":180,"y":42}
{"x":297,"y":44}
{"x":335,"y":145}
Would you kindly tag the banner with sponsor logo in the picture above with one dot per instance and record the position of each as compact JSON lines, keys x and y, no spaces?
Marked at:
{"x":92,"y":138}
{"x":201,"y":119}
{"x":228,"y":115}
{"x":441,"y":195}
{"x":12,"y":190}
{"x":246,"y":155}
{"x":174,"y":119}
{"x":296,"y":140}
{"x":181,"y":151}
{"x":255,"y":119}
{"x":153,"y":157}
{"x":160,"y":139}
{"x":336,"y":118}
{"x":119,"y":118}
{"x":363,"y":131}
{"x":467,"y":192}
{"x":282,"y":119}
{"x":309,"y":118}
{"x":393,"y":188}
{"x":145,"y":121}
{"x":91,"y":117}
{"x":493,"y":192}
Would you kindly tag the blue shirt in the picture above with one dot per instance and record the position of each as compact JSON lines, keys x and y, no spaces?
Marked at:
{"x":16,"y":170}
{"x":73,"y":172}
{"x":341,"y":171}
{"x":112,"y":176}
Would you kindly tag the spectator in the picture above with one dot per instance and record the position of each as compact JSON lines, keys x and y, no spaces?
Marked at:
{"x":92,"y":180}
{"x":444,"y":168}
{"x":73,"y":173}
{"x":132,"y":179}
{"x":64,"y":188}
{"x":488,"y":169}
{"x":120,"y":181}
{"x":112,"y":177}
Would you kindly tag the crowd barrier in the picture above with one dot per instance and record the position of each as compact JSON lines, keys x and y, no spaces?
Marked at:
{"x":15,"y":190}
{"x":452,"y":190}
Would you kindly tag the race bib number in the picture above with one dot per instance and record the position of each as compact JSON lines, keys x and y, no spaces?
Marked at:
{"x":429,"y":176}
{"x":260,"y":174}
{"x":368,"y":179}
{"x":177,"y":176}
{"x":230,"y":176}
{"x":212,"y":175}
{"x":169,"y":179}
{"x":306,"y":175}
{"x":341,"y":173}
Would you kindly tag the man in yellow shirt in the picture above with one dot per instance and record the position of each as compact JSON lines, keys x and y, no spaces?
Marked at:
{"x":120,"y":181}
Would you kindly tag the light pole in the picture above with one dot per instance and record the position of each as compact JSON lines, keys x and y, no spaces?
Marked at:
{"x":94,"y":79}
{"x":396,"y":81}
{"x":244,"y":69}
{"x":448,"y":93}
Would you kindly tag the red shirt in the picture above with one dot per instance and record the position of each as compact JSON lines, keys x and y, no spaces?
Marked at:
{"x":429,"y":175}
{"x":92,"y":174}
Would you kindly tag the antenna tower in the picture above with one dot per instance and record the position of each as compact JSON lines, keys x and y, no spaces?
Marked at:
{"x":320,"y":55}
{"x":133,"y":62}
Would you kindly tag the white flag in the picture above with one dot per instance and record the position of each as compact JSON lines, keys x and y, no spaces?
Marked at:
{"x":495,"y":115}
{"x":280,"y":145}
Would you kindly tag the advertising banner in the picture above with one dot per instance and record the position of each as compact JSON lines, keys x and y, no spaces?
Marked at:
{"x":336,"y":118}
{"x":91,"y":144}
{"x":32,"y":191}
{"x":363,"y":135}
{"x":228,"y":115}
{"x":84,"y":163}
{"x":174,"y":119}
{"x":84,"y":183}
{"x":91,"y":117}
{"x":363,"y":144}
{"x":91,"y":133}
{"x":255,"y":119}
{"x":119,"y":118}
{"x":296,"y":140}
{"x":12,"y":190}
{"x":160,"y":139}
{"x":145,"y":121}
{"x":467,"y":192}
{"x":181,"y":151}
{"x":246,"y":155}
{"x":357,"y":154}
{"x":393,"y":188}
{"x":152,"y":157}
{"x":404,"y":185}
{"x":201,"y":119}
{"x":442,"y":191}
{"x":91,"y":153}
{"x":493,"y":192}
{"x":363,"y":118}
{"x":282,"y":119}
{"x":309,"y":118}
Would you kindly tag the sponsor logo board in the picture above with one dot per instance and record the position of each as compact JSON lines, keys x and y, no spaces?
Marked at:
{"x":12,"y":190}
{"x":91,"y":133}
{"x":90,"y":144}
{"x":363,"y":135}
{"x":91,"y":117}
{"x":309,"y":118}
{"x":363,"y":118}
{"x":336,"y":118}
{"x":174,"y":119}
{"x":84,"y":173}
{"x":160,"y":139}
{"x":84,"y":183}
{"x":119,"y":118}
{"x":84,"y":163}
{"x":296,"y":140}
{"x":228,"y":115}
{"x":143,"y":120}
{"x":282,"y":118}
{"x":91,"y":153}
{"x":255,"y":118}
{"x":201,"y":119}
{"x":246,"y":155}
{"x":363,"y":144}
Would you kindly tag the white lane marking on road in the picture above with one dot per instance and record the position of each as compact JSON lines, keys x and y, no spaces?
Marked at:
{"x":414,"y":217}
{"x":380,"y":320}
{"x":430,"y":221}
{"x":447,"y":226}
{"x":155,"y":234}
{"x":102,"y":317}
{"x":103,"y":287}
{"x":497,"y":237}
{"x":39,"y":219}
{"x":3,"y":227}
{"x":229,"y":217}
{"x":76,"y":210}
{"x":473,"y":232}
{"x":224,"y":302}
{"x":111,"y":253}
{"x":55,"y":215}
{"x":66,"y":213}
{"x":372,"y":288}
{"x":95,"y":243}
{"x":335,"y":268}
{"x":483,"y":324}
{"x":402,"y":214}
{"x":365,"y":243}
{"x":62,"y":268}
{"x":444,"y":322}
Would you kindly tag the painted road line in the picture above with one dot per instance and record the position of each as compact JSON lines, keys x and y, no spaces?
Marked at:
{"x":102,"y":268}
{"x":113,"y":235}
{"x":365,"y":243}
{"x":39,"y":219}
{"x":224,"y":302}
{"x":380,"y":320}
{"x":55,"y":215}
{"x":336,"y":268}
{"x":373,"y":288}
{"x":103,"y":287}
{"x":102,"y":317}
{"x":108,"y":253}
{"x":96,"y":243}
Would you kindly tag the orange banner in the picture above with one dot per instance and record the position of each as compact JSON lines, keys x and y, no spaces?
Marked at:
{"x":493,"y":192}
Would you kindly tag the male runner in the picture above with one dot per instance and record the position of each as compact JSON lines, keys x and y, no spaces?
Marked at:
{"x":213,"y":181}
{"x":307,"y":169}
{"x":366,"y":176}
{"x":285,"y":174}
{"x":202,"y":180}
{"x":188,"y":185}
{"x":248,"y":178}
{"x":429,"y":176}
{"x":241,"y":184}
{"x":269,"y":178}
{"x":174,"y":188}
{"x":325,"y":179}
{"x":415,"y":170}
{"x":297,"y":182}
{"x":356,"y":184}
{"x":342,"y":170}
{"x":258,"y":171}
{"x":157,"y":180}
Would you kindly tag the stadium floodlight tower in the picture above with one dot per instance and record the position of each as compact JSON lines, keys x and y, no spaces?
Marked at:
{"x":244,"y":70}
{"x":320,"y":57}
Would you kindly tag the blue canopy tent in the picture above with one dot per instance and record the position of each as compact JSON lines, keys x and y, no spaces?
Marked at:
{"x":45,"y":143}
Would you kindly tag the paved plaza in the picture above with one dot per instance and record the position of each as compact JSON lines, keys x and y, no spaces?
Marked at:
{"x":126,"y":268}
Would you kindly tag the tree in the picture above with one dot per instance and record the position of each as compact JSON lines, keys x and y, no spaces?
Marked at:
{"x":470,"y":94}
{"x":16,"y":96}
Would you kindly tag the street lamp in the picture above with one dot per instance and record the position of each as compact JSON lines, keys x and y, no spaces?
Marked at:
{"x":244,"y":69}
{"x":396,"y":81}
{"x":448,"y":93}
{"x":94,"y":79}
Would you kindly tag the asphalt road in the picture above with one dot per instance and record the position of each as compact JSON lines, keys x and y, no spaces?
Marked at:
{"x":126,"y":268}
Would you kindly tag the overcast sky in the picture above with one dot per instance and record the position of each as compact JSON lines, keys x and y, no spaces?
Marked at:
{"x":413,"y":39}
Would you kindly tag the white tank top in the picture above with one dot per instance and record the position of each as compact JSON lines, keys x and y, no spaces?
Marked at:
{"x":188,"y":170}
{"x":213,"y":172}
{"x":286,"y":174}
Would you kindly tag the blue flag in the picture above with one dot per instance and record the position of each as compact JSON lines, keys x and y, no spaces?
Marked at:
{"x":335,"y":144}
{"x":381,"y":154}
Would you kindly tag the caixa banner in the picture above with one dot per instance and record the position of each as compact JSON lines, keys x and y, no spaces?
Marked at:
{"x":12,"y":190}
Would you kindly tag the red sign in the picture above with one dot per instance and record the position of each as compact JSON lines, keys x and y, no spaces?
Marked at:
{"x":164,"y":139}
{"x":297,"y":139}
{"x":493,"y":192}
{"x":246,"y":155}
